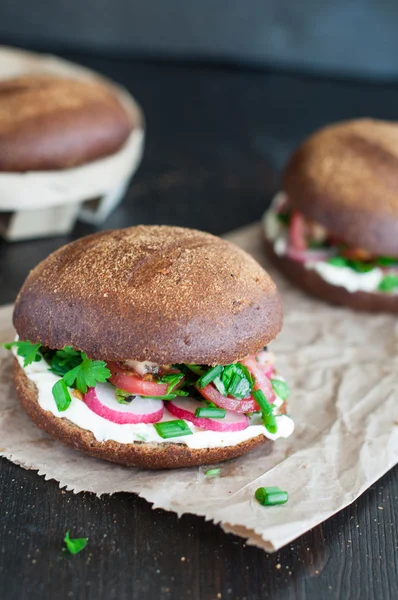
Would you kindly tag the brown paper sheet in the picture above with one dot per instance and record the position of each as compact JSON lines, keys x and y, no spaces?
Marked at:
{"x":343,"y":371}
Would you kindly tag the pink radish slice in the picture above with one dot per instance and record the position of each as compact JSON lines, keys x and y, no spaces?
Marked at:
{"x":261,"y":380}
{"x":308,"y":255}
{"x":185,"y":409}
{"x":102,"y":401}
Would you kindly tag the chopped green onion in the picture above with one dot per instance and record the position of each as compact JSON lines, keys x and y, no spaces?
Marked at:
{"x":172,"y":380}
{"x":338,"y":261}
{"x":195,"y":369}
{"x":124,"y":397}
{"x":211,"y":473}
{"x":165,"y":397}
{"x":388,"y":283}
{"x":74,"y":545}
{"x":219,"y":383}
{"x":210,"y":413}
{"x":209,"y":376}
{"x":171,"y":429}
{"x":281,"y":388}
{"x":271,"y":496}
{"x":267,"y":411}
{"x":386,"y":261}
{"x":61,"y":395}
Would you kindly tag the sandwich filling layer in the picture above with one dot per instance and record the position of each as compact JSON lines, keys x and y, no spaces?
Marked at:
{"x":202,"y":407}
{"x":311,"y":245}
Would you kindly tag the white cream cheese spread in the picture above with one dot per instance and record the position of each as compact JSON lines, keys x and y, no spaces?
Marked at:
{"x":344,"y":277}
{"x":104,"y":430}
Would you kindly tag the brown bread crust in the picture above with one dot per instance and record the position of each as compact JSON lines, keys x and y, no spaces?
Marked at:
{"x":311,"y":282}
{"x":165,"y":294}
{"x":345,"y":177}
{"x":139,"y":454}
{"x":49,"y":122}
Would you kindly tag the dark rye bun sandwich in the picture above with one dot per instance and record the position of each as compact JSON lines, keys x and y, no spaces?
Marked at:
{"x":333,"y":230}
{"x":146,"y":346}
{"x":49,"y":123}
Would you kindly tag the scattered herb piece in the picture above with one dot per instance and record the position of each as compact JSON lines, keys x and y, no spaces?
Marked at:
{"x":388,"y":283}
{"x":197,"y":369}
{"x":29,"y":352}
{"x":281,"y":388}
{"x":61,"y":395}
{"x":74,"y":545}
{"x":171,"y":429}
{"x":356,"y":265}
{"x":209,"y":412}
{"x":271,"y":496}
{"x":211,"y":473}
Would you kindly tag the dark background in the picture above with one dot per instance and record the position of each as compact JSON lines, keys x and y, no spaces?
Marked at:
{"x":355,"y":37}
{"x":217,"y":138}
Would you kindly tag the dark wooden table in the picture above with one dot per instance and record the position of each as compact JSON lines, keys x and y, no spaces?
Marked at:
{"x":216,"y":141}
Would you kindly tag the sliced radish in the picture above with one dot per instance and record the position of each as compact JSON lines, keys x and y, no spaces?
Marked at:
{"x":261,"y":381}
{"x":102,"y":401}
{"x":246,"y":405}
{"x":297,"y":232}
{"x":185,"y":409}
{"x":309,"y":255}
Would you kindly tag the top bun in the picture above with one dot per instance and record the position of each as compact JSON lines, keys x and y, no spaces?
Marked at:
{"x":49,"y":122}
{"x":345,"y":177}
{"x":164,"y":294}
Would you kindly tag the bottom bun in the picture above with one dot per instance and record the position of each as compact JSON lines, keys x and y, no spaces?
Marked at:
{"x":166,"y":455}
{"x":311,"y":282}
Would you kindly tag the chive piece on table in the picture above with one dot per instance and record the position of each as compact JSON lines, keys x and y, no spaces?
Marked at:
{"x":209,"y":376}
{"x":210,"y":412}
{"x":212,"y":473}
{"x":171,"y":429}
{"x":271,"y":496}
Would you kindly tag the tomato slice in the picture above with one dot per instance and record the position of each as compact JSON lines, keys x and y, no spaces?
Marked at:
{"x":128,"y":382}
{"x":261,"y":381}
{"x":297,"y":232}
{"x":246,"y":405}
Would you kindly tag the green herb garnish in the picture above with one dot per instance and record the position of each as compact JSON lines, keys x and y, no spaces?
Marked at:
{"x":61,"y":395}
{"x":65,"y":360}
{"x":209,"y":412}
{"x":386,"y":261}
{"x":284,"y":217}
{"x":281,"y":388}
{"x":211,"y":473}
{"x":172,"y":380}
{"x":356,"y":265}
{"x":29,"y":352}
{"x":388,"y":283}
{"x":171,"y":429}
{"x":74,"y":545}
{"x":124,"y":397}
{"x":209,"y":376}
{"x":87,"y":374}
{"x":271,"y":496}
{"x":266,"y":410}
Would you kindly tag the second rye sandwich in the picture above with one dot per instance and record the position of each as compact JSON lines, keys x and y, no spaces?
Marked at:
{"x":146,"y":346}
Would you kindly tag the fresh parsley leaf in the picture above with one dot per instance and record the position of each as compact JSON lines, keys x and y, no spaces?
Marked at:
{"x":29,"y":352}
{"x":281,"y":388}
{"x":87,"y":374}
{"x":61,"y":395}
{"x":74,"y":545}
{"x":388,"y":283}
{"x":65,"y":360}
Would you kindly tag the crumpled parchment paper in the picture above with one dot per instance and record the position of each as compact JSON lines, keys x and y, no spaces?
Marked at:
{"x":343,"y":371}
